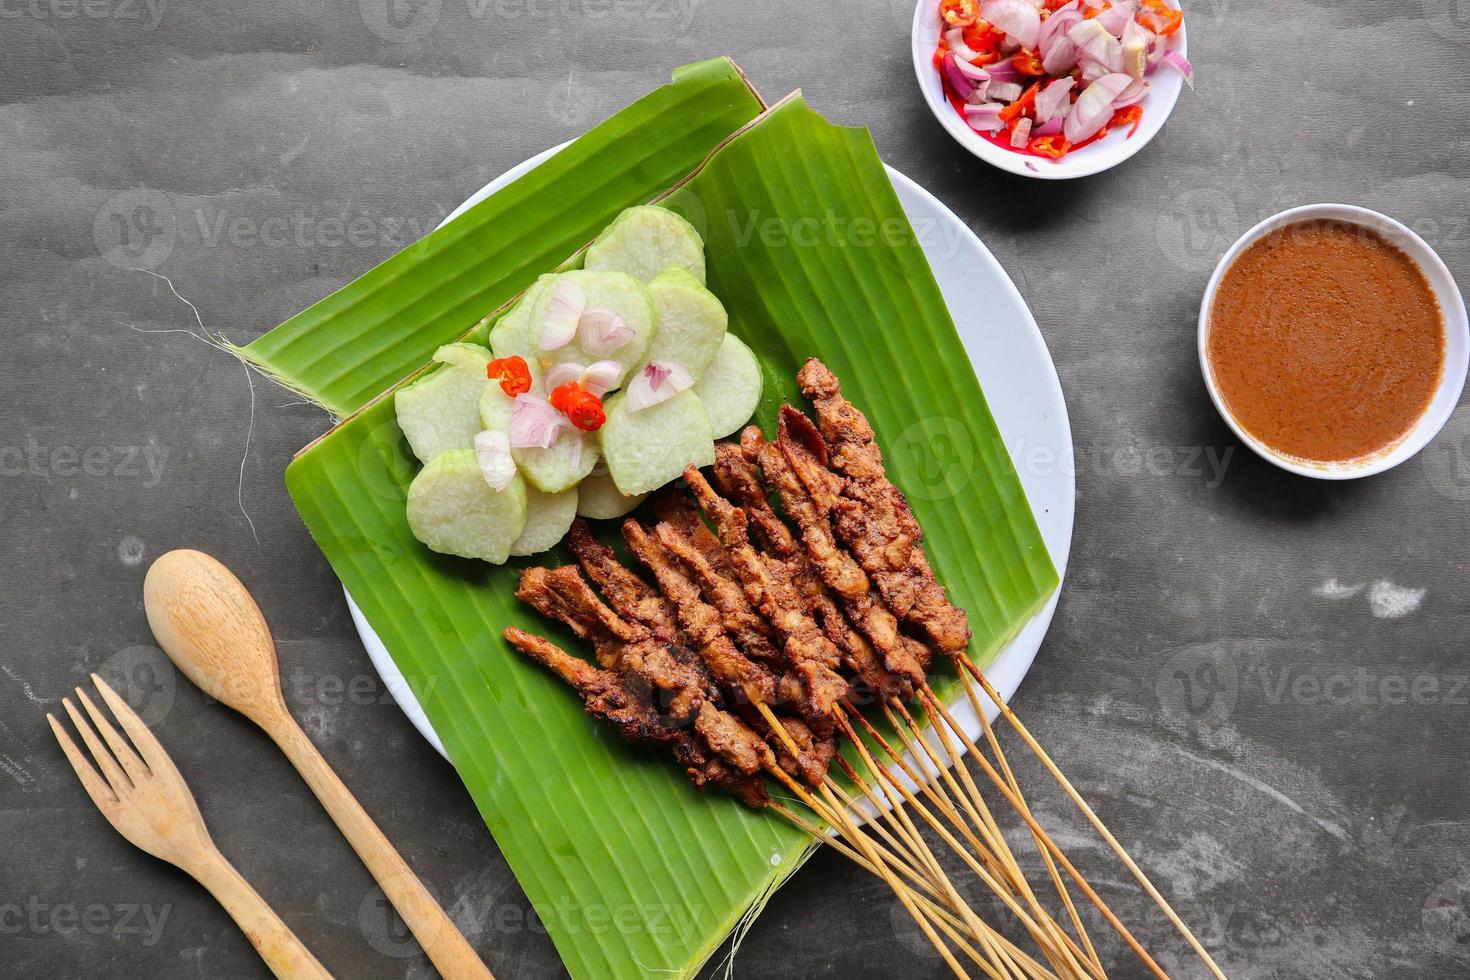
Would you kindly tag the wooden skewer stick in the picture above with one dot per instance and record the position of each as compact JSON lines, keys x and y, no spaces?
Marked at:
{"x":943,"y":917}
{"x":893,"y":812}
{"x":924,"y":781}
{"x":1096,"y":822}
{"x":895,"y":806}
{"x":1005,"y":767}
{"x":1000,"y":890}
{"x":987,"y":826}
{"x":939,"y":714}
{"x":1076,"y":875}
{"x":860,"y":841}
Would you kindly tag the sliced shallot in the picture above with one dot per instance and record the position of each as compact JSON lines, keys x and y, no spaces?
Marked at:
{"x":1094,"y":107}
{"x":535,"y":424}
{"x":603,"y":331}
{"x":657,"y":382}
{"x":563,"y":312}
{"x":492,"y":449}
{"x":1053,"y":101}
{"x":1017,"y":19}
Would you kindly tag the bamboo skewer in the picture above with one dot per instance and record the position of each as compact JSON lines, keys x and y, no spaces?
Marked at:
{"x":1057,"y":881}
{"x":836,"y":816}
{"x":1045,"y":938}
{"x":1096,"y":822}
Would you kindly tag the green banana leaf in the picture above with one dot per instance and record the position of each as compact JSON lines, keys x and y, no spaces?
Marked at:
{"x":632,"y":870}
{"x":367,"y":335}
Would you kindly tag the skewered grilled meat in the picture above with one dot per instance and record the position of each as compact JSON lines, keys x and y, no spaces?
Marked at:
{"x":607,"y":695}
{"x":563,"y":594}
{"x":881,"y":528}
{"x":758,"y":613}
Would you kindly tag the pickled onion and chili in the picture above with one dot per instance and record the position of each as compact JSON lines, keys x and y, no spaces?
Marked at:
{"x":1045,"y":77}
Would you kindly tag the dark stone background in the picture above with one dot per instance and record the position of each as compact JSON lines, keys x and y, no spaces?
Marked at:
{"x":1307,"y":813}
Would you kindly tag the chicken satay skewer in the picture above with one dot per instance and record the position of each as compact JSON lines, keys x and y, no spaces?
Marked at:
{"x":562,"y":594}
{"x":808,"y":500}
{"x":762,"y":579}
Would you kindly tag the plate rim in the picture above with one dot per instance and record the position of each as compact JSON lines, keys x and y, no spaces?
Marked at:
{"x":1011,"y":663}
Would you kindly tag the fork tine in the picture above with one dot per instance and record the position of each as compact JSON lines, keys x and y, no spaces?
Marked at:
{"x":147,"y":745}
{"x":99,"y":791}
{"x":115,"y":777}
{"x":137,"y":772}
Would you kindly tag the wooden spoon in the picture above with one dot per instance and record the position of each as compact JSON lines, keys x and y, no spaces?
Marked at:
{"x":211,"y":628}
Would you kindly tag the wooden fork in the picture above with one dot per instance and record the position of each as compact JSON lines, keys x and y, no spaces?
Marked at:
{"x":147,"y":801}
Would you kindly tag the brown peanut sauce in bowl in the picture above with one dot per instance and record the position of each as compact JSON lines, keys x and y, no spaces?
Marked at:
{"x":1325,"y":341}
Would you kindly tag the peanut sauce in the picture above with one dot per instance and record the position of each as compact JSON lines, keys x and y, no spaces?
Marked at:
{"x":1326,"y":341}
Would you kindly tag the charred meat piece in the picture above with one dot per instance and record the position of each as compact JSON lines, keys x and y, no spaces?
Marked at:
{"x":791,"y":470}
{"x":886,"y":527}
{"x":767,"y":585}
{"x":633,"y":598}
{"x":607,"y":696}
{"x":750,"y":633}
{"x":701,"y":622}
{"x":564,"y":595}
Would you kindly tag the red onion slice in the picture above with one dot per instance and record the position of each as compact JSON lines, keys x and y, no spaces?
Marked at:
{"x":1053,"y":101}
{"x":657,"y":382}
{"x":984,"y":118}
{"x":603,"y":331}
{"x":1021,"y":133}
{"x":534,"y":424}
{"x":492,"y":450}
{"x":563,"y":311}
{"x":1180,"y":64}
{"x":963,"y":86}
{"x":1019,"y":20}
{"x":1094,"y":107}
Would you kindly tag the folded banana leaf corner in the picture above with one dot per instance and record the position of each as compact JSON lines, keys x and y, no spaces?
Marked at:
{"x":632,"y":870}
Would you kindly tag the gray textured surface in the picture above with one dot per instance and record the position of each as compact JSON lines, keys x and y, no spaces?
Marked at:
{"x":1306,"y":804}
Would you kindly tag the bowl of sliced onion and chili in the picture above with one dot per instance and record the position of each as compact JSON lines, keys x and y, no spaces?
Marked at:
{"x":1051,"y":88}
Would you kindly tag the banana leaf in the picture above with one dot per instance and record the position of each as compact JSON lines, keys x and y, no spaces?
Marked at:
{"x":632,"y":870}
{"x":353,"y":344}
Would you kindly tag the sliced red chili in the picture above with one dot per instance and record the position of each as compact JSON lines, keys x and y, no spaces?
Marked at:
{"x":1132,"y":114}
{"x":1049,"y":146}
{"x":1028,"y":62}
{"x":586,"y":412}
{"x":512,"y":374}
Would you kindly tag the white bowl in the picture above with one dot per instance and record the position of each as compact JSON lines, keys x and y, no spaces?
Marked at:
{"x":1456,"y":353}
{"x":1094,"y":158}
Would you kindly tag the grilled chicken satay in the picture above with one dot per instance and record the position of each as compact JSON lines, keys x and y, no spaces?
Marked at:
{"x":632,"y":598}
{"x":808,"y":499}
{"x":678,"y":676}
{"x":607,"y":695}
{"x":563,"y":594}
{"x":881,"y":529}
{"x":768,"y":586}
{"x":750,"y":682}
{"x":739,"y":478}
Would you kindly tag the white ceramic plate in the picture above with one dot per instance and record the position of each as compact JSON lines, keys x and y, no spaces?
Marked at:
{"x":1093,"y":158}
{"x":1021,"y":387}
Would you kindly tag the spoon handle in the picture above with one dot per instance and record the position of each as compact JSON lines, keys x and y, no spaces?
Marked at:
{"x":447,"y":948}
